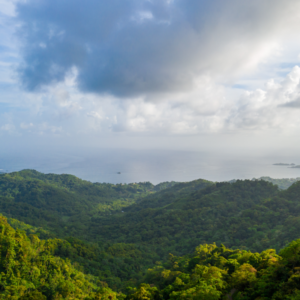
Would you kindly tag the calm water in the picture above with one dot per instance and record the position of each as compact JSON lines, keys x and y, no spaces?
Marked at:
{"x":154,"y":166}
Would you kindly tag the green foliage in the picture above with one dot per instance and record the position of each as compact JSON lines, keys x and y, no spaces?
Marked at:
{"x":77,"y":228}
{"x":238,"y":214}
{"x":63,"y":206}
{"x":29,"y":271}
{"x":119,"y":265}
{"x":58,"y":202}
{"x":207,"y":275}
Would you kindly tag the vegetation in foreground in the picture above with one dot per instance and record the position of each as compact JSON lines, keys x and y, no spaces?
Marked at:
{"x":214,"y":273}
{"x":29,"y":270}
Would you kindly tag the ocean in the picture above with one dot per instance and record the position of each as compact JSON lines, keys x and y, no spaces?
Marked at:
{"x":126,"y":166}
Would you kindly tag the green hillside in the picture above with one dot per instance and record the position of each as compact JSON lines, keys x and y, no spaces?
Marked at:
{"x":253,"y":215}
{"x":115,"y":233}
{"x":34,"y":269}
{"x":30,"y":271}
{"x":217,"y":213}
{"x":170,"y":217}
{"x":64,"y":203}
{"x":118,"y":265}
{"x":169,"y":195}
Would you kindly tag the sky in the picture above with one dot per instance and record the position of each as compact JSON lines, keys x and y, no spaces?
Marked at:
{"x":180,"y":74}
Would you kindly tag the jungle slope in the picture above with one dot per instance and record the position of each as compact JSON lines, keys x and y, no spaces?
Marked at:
{"x":64,"y":203}
{"x":31,"y":270}
{"x":157,"y":220}
{"x":252,"y":215}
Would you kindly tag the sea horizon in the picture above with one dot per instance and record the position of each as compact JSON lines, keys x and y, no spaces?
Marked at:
{"x":127,"y":166}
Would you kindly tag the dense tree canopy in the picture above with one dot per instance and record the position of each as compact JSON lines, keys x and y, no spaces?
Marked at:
{"x":30,"y":271}
{"x":64,"y":203}
{"x":66,"y":238}
{"x":220,"y":273}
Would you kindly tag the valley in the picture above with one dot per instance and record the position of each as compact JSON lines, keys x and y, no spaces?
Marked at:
{"x":127,"y":236}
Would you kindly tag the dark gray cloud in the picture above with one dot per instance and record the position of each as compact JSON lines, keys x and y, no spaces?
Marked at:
{"x":292,"y":104}
{"x":135,"y":47}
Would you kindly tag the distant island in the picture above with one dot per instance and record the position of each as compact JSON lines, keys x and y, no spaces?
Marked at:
{"x":283,"y":164}
{"x":294,"y":166}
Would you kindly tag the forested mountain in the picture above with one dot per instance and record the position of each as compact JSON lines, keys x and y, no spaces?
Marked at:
{"x":32,"y":269}
{"x":55,"y":201}
{"x":63,"y":206}
{"x":115,"y":233}
{"x":283,"y":183}
{"x":169,"y":195}
{"x":119,"y":265}
{"x":170,"y":217}
{"x":253,"y":215}
{"x":29,"y":270}
{"x":218,"y":213}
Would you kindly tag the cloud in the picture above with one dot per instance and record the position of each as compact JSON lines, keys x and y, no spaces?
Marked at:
{"x":62,"y":110}
{"x":133,"y":48}
{"x":183,"y":113}
{"x":205,"y":110}
{"x":263,"y":109}
{"x":7,"y":127}
{"x":184,"y":67}
{"x":292,"y":104}
{"x":26,"y":126}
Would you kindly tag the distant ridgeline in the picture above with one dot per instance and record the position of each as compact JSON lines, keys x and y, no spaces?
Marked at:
{"x":282,"y":183}
{"x":115,"y":233}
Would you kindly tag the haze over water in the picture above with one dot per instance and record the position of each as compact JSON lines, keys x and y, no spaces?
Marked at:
{"x":151,"y":165}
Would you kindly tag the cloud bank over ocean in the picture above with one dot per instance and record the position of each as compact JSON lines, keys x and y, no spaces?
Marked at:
{"x":168,"y":67}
